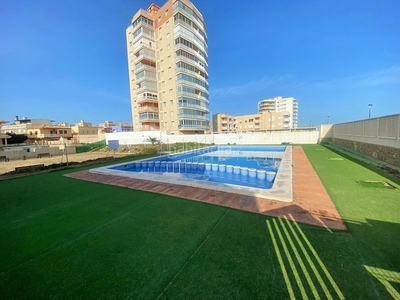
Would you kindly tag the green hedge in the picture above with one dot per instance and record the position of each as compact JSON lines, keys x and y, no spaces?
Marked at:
{"x":92,"y":146}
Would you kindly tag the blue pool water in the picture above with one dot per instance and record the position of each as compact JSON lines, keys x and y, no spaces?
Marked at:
{"x":251,"y":166}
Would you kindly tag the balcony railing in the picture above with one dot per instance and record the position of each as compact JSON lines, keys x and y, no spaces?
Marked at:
{"x":192,"y":62}
{"x":189,"y":72}
{"x":189,"y":116}
{"x":192,"y":51}
{"x":148,"y":116}
{"x":200,"y":107}
{"x":192,"y":84}
{"x":147,"y":99}
{"x":145,"y":56}
{"x":146,"y":88}
{"x":148,"y":109}
{"x":142,"y":35}
{"x":144,"y":67}
{"x":150,"y":128}
{"x":201,"y":26}
{"x":193,"y":127}
{"x":193,"y":96}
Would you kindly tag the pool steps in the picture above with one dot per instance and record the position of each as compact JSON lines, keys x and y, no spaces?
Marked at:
{"x":194,"y":167}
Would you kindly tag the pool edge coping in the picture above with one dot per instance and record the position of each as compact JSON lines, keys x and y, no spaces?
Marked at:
{"x":282,"y":189}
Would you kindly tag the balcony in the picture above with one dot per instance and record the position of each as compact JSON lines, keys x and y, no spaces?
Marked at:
{"x":48,"y":135}
{"x":192,"y":62}
{"x":192,"y":73}
{"x":145,"y":57}
{"x":192,"y":51}
{"x":146,"y":78}
{"x":144,"y":109}
{"x":150,"y":127}
{"x":193,"y":96}
{"x":149,"y":99}
{"x":143,"y":35}
{"x":138,"y":46}
{"x":193,"y":127}
{"x":145,"y":67}
{"x":146,"y":87}
{"x":203,"y":108}
{"x":191,"y":117}
{"x":148,"y":116}
{"x":191,"y":84}
{"x":193,"y":19}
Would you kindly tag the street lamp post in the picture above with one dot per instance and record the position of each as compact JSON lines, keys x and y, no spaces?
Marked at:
{"x":369,"y":111}
{"x":327,"y":120}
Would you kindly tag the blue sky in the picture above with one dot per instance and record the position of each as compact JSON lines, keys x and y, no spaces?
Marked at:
{"x":66,"y":60}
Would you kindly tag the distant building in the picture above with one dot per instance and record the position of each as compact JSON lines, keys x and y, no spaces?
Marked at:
{"x":168,"y":68}
{"x":20,"y":126}
{"x":43,"y":133}
{"x":287,"y":106}
{"x":3,"y":139}
{"x":85,"y":128}
{"x":256,"y":122}
{"x":110,"y":126}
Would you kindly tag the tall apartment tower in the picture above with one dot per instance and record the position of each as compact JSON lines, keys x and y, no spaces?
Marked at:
{"x":287,"y":106}
{"x":168,"y":63}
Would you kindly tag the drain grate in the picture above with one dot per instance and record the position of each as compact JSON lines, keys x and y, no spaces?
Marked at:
{"x":376,"y":184}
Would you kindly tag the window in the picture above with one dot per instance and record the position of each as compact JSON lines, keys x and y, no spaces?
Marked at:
{"x":159,"y":19}
{"x":164,"y":104}
{"x":168,"y":46}
{"x":173,"y":124}
{"x":60,"y":132}
{"x":171,"y":102}
{"x":170,"y":81}
{"x":166,"y":12}
{"x":170,"y":91}
{"x":167,"y":35}
{"x":167,"y":23}
{"x":35,"y":132}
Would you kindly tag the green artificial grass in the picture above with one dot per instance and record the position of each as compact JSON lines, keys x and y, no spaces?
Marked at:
{"x":65,"y":238}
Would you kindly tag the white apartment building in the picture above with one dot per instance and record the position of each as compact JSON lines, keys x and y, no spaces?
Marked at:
{"x":287,"y":106}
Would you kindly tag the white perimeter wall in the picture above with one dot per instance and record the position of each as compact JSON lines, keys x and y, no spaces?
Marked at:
{"x":383,"y":131}
{"x":274,"y":137}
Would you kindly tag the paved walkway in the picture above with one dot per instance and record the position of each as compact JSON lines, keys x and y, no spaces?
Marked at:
{"x":311,"y":203}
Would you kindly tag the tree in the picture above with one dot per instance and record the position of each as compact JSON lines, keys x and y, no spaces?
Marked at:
{"x":152,"y":140}
{"x":16,"y":138}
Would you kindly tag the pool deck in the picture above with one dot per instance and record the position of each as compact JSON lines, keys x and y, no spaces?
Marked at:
{"x":311,"y":203}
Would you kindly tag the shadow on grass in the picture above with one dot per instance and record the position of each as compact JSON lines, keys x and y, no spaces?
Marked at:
{"x":363,"y":262}
{"x":368,"y":164}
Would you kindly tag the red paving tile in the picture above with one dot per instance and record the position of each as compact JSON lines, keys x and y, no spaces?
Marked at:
{"x":311,"y":203}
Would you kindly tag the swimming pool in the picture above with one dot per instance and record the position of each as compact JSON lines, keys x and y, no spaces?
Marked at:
{"x":251,"y":170}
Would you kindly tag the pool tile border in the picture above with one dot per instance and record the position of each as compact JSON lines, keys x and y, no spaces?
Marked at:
{"x":281,"y":189}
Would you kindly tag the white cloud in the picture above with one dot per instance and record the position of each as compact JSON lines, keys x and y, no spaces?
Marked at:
{"x":387,"y":76}
{"x":247,"y":87}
